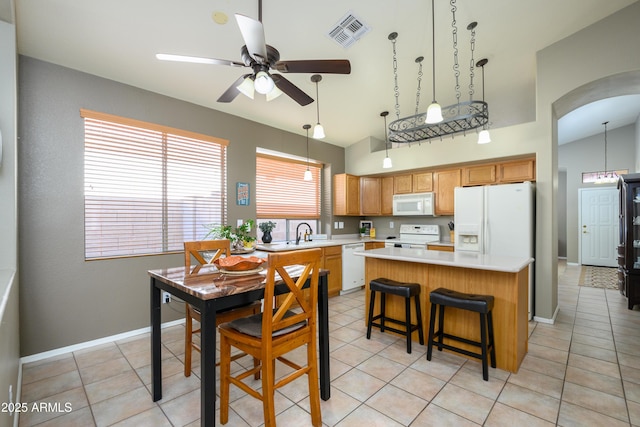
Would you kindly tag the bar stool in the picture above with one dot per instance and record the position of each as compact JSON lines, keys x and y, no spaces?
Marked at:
{"x":406,"y":290}
{"x":482,"y":304}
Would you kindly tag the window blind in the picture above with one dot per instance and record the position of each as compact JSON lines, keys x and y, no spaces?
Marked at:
{"x":281,"y":191}
{"x":148,"y":188}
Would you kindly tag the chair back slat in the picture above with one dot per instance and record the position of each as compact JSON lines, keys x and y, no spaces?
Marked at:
{"x":306,"y":263}
{"x":194,"y":250}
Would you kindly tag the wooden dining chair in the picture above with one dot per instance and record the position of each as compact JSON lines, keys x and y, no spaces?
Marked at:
{"x":205,"y":252}
{"x":278,"y":330}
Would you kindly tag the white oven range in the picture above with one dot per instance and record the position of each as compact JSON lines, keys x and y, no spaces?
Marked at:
{"x":415,"y":236}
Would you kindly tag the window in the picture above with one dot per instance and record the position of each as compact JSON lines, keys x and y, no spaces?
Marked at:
{"x":282,"y":196}
{"x":148,"y":188}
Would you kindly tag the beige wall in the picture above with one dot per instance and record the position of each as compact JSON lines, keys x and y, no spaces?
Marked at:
{"x":584,"y":57}
{"x":65,"y":300}
{"x":9,"y":322}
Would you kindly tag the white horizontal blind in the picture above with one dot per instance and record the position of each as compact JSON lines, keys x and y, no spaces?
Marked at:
{"x":149,"y":188}
{"x":281,"y":191}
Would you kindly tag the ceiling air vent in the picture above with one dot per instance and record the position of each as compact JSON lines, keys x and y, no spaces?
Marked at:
{"x":348,"y":30}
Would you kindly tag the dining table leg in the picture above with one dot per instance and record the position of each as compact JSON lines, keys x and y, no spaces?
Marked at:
{"x":156,"y":363}
{"x":208,"y":364}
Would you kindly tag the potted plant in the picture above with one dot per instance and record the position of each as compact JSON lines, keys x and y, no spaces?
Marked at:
{"x":363,"y":231}
{"x":240,"y":238}
{"x":266,"y":228}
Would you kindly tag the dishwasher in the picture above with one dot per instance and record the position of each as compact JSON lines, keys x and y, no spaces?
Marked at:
{"x":352,"y":268}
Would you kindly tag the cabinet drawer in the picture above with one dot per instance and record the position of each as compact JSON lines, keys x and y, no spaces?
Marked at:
{"x":332,"y":250}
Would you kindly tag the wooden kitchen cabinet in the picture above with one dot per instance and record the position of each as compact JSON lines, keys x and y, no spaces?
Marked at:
{"x":517,"y":171}
{"x":370,"y":196}
{"x":386,"y":196}
{"x":444,"y":183}
{"x":346,"y":195}
{"x":422,"y":182}
{"x":402,"y":184}
{"x":438,"y":247}
{"x":332,"y":261}
{"x":479,"y":175}
{"x":373,"y":245}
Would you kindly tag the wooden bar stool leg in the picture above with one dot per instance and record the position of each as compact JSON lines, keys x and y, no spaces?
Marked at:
{"x":370,"y":322}
{"x":419,"y":319}
{"x":491,"y":340}
{"x":432,"y":324}
{"x":383,"y":298}
{"x":407,"y":309}
{"x":440,"y":332}
{"x":483,"y":346}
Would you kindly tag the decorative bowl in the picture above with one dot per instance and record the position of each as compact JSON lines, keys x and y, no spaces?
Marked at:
{"x":238,"y":263}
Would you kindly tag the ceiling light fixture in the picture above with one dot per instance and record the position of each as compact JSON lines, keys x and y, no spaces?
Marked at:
{"x":307,"y":174}
{"x":434,"y":112}
{"x":460,"y":117}
{"x":318,"y":130}
{"x":263,"y":83}
{"x":246,"y":87}
{"x":483,"y":136}
{"x":386,"y":163}
{"x":607,"y":177}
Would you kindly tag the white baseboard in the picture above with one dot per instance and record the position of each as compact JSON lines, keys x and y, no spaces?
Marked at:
{"x":93,"y":343}
{"x":547,"y":320}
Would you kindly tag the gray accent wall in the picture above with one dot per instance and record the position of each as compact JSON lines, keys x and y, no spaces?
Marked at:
{"x":66,"y":300}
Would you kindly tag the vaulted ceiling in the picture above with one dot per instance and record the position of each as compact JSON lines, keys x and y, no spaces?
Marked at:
{"x":118,"y":40}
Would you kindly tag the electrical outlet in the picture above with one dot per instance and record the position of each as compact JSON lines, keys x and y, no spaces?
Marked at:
{"x":239,"y":222}
{"x":335,"y":225}
{"x":166,"y":297}
{"x":341,"y":225}
{"x":391,"y":224}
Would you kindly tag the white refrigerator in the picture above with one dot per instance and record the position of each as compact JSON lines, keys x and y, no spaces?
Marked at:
{"x":497,"y":220}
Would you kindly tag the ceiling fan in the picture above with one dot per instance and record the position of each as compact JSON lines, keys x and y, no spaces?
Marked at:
{"x":262,"y":59}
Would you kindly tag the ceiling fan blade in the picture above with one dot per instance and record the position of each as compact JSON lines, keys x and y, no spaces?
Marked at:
{"x":291,"y":90}
{"x":231,"y":93}
{"x":197,"y":60}
{"x":320,"y":66}
{"x":253,"y":35}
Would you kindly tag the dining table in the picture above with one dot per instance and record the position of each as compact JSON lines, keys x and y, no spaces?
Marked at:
{"x":210,"y":290}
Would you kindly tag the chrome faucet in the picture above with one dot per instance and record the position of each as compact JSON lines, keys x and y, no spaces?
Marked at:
{"x":298,"y":232}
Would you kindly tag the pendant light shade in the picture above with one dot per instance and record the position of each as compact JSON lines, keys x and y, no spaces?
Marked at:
{"x":318,"y":130}
{"x":434,"y":112}
{"x":307,"y":174}
{"x":386,"y":163}
{"x":484,"y":137}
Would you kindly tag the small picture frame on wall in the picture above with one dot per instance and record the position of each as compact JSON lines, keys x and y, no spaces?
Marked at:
{"x":242,"y":194}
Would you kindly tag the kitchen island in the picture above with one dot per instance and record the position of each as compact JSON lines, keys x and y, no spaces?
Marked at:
{"x":506,"y":278}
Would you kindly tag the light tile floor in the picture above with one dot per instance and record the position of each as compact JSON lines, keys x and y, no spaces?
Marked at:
{"x":583,"y":370}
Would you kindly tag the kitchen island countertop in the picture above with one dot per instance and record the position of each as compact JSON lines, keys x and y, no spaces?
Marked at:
{"x":454,"y":259}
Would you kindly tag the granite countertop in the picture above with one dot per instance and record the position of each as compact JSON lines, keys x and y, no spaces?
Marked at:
{"x":291,"y":246}
{"x":454,"y":259}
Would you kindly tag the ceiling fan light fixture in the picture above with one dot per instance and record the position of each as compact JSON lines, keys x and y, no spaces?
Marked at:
{"x":484,"y":137}
{"x":246,"y":87}
{"x":263,"y":83}
{"x":274,"y":94}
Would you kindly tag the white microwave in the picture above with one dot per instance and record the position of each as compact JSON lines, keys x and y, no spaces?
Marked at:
{"x":413,"y":204}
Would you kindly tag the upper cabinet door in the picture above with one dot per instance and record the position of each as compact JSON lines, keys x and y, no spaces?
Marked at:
{"x":402,"y":184}
{"x":478,"y":175}
{"x":369,"y":196}
{"x":444,"y":184}
{"x":422,"y":182}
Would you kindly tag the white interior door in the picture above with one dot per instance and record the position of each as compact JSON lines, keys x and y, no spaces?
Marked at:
{"x":598,"y":226}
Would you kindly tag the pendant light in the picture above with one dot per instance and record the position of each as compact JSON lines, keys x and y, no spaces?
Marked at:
{"x":307,"y":174}
{"x":434,"y":112}
{"x":483,"y":136}
{"x":318,"y":130}
{"x":386,"y":163}
{"x":607,"y":177}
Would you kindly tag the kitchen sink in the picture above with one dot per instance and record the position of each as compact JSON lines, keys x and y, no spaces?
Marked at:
{"x":283,"y":246}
